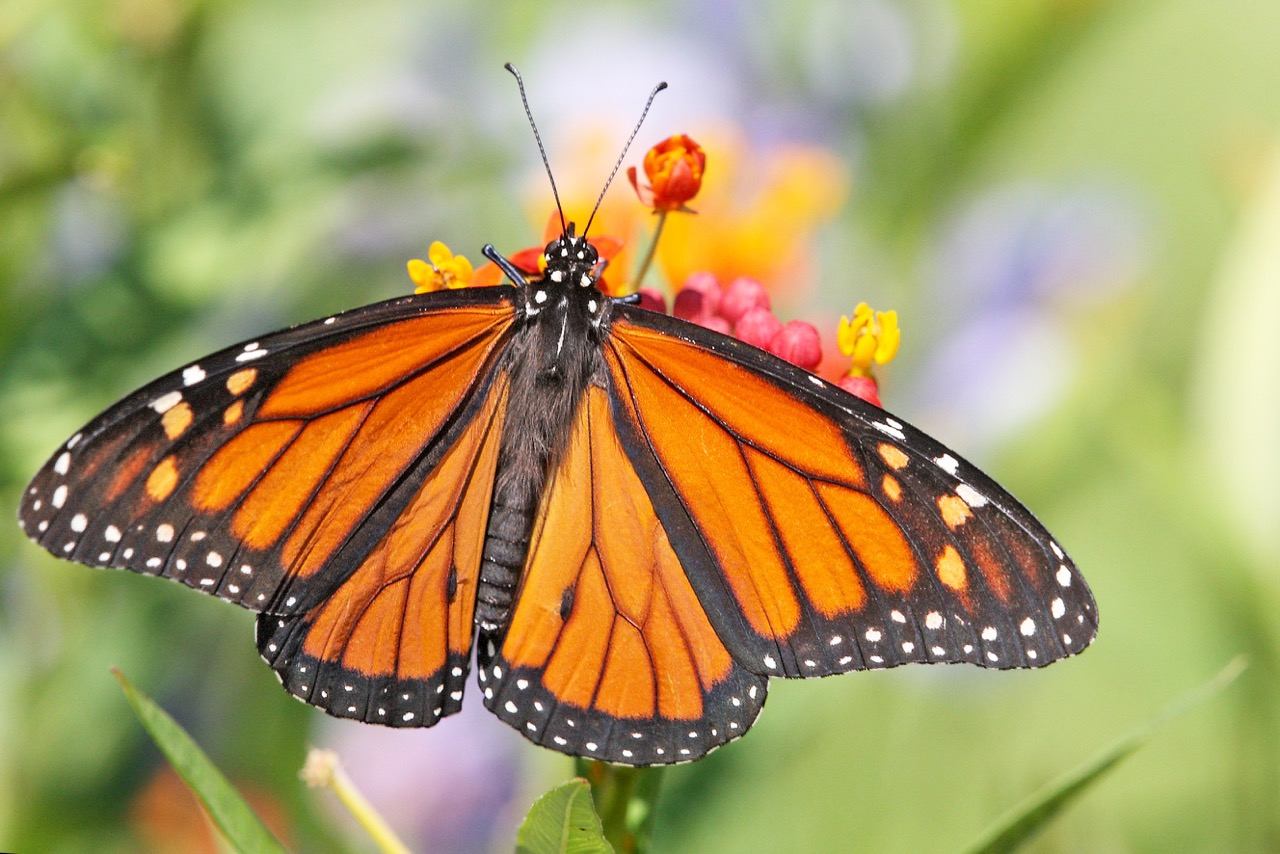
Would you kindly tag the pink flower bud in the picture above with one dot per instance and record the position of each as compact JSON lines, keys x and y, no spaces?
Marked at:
{"x":863,"y":387}
{"x":714,"y":322}
{"x":741,"y":296}
{"x":689,"y":305}
{"x":707,"y":285}
{"x":799,"y":344}
{"x":757,"y":327}
{"x":653,"y":300}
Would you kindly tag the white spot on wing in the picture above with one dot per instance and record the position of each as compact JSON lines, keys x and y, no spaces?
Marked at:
{"x":1057,"y":608}
{"x":1064,"y":576}
{"x":971,"y":496}
{"x":890,"y":430}
{"x":948,"y":463}
{"x":79,"y":522}
{"x":59,"y":496}
{"x":63,"y":465}
{"x":250,"y":355}
{"x":165,"y":402}
{"x":1027,"y":627}
{"x":164,"y":532}
{"x":193,"y":375}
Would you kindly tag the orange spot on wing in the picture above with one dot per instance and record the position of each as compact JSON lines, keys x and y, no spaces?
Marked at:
{"x":373,"y":361}
{"x":127,"y":471}
{"x":240,"y":462}
{"x":954,"y":511}
{"x":162,"y":480}
{"x":242,"y":380}
{"x":891,"y":488}
{"x":876,"y":539}
{"x":177,"y":419}
{"x":893,"y":456}
{"x":231,"y":415}
{"x":991,"y":566}
{"x":951,"y":571}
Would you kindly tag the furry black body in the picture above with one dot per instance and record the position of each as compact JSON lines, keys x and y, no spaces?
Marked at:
{"x":553,"y":359}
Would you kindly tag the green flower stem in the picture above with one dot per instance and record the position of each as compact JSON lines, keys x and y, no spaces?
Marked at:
{"x":323,"y":770}
{"x":625,"y":799}
{"x":647,"y":262}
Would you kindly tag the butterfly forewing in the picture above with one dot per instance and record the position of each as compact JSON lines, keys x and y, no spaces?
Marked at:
{"x":263,"y":473}
{"x":846,"y":538}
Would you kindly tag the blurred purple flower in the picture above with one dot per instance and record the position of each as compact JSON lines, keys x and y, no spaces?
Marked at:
{"x":450,"y":788}
{"x":1007,"y":269}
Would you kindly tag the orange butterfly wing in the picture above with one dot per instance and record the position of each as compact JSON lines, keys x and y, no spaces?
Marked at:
{"x":392,"y":643}
{"x":609,"y":653}
{"x":822,"y":534}
{"x":266,"y":472}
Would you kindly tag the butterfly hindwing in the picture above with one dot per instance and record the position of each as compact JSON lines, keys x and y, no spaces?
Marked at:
{"x":265,"y":472}
{"x":392,"y":643}
{"x":609,"y":653}
{"x":846,"y":539}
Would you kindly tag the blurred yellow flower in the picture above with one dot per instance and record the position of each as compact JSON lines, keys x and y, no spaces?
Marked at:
{"x":870,"y":338}
{"x":441,"y":270}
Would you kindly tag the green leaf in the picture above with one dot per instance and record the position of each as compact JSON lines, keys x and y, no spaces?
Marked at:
{"x":563,"y":821}
{"x":228,"y":810}
{"x":1027,"y":819}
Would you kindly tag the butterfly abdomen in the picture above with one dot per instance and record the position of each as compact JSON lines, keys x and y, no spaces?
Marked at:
{"x":505,"y":546}
{"x":547,"y":382}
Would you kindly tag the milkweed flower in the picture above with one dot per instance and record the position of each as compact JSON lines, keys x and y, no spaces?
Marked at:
{"x":799,"y":343}
{"x":870,"y":338}
{"x":674,"y":168}
{"x":441,"y":270}
{"x":743,"y":295}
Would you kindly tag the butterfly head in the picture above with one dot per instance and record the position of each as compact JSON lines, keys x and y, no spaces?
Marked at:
{"x":571,"y":261}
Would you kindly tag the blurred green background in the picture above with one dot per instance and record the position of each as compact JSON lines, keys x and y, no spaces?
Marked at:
{"x":1073,"y":204}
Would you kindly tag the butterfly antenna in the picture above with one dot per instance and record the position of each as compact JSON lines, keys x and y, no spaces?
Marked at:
{"x":618,"y":165}
{"x":524,"y":99}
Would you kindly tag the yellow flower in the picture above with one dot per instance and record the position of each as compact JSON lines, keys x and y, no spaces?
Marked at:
{"x":871,"y":338}
{"x":441,"y":270}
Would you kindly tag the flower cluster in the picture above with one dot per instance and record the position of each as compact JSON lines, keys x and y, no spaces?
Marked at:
{"x":741,"y":308}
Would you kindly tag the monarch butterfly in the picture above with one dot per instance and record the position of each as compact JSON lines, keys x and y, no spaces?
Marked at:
{"x":635,"y":520}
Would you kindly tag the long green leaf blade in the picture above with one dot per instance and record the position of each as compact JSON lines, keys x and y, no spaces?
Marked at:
{"x":1027,"y":819}
{"x":228,"y":810}
{"x":563,"y":821}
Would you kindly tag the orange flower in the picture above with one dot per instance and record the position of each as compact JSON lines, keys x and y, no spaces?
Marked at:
{"x":674,"y":168}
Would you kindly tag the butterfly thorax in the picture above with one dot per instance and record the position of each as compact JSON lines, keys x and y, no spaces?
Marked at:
{"x":553,"y":358}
